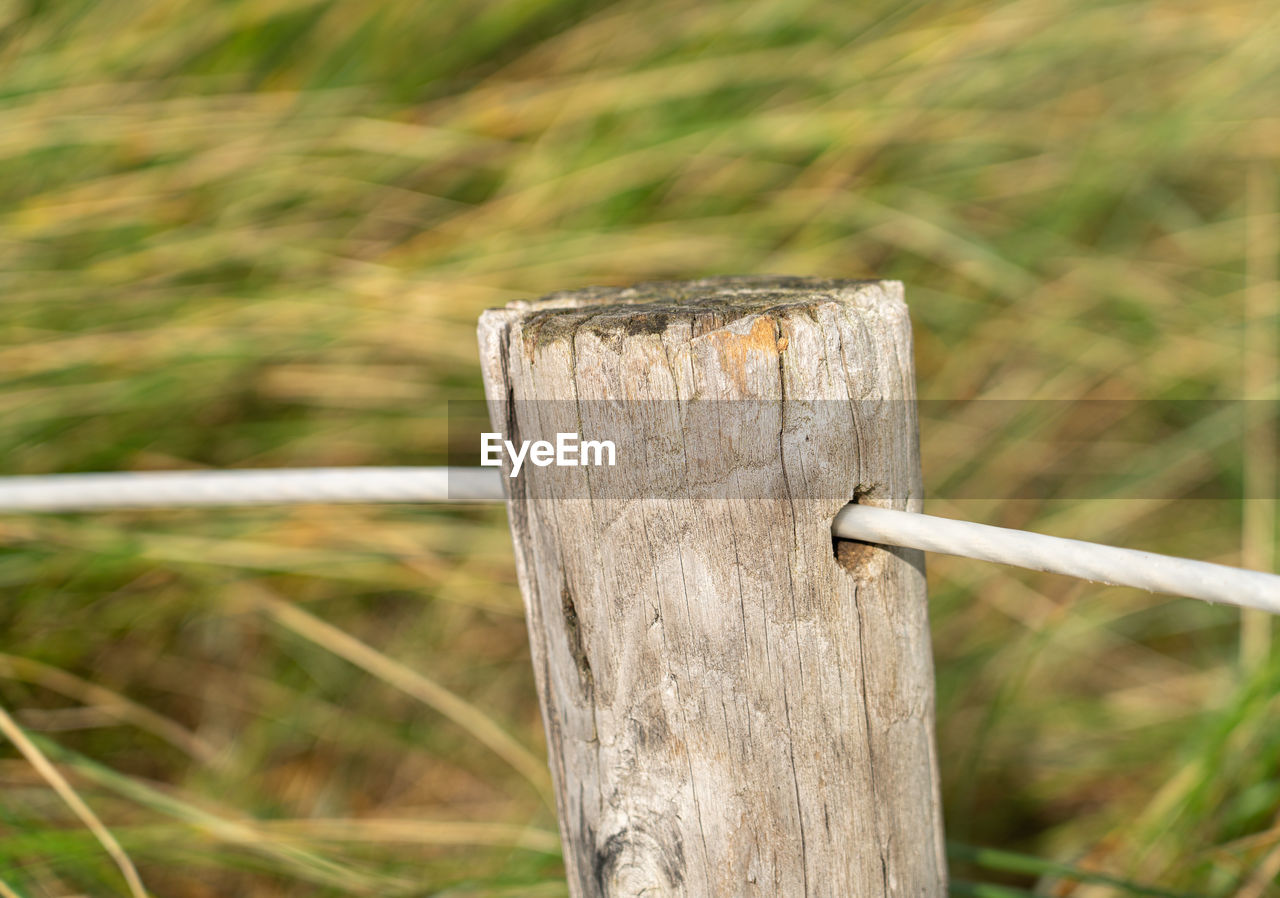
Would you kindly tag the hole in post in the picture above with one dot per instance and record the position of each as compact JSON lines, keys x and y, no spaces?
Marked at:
{"x":854,"y":555}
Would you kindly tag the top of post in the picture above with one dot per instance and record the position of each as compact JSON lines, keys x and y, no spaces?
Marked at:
{"x":800,"y":381}
{"x":707,"y":303}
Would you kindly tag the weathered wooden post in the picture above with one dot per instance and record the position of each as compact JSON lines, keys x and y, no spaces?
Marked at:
{"x":733,"y":705}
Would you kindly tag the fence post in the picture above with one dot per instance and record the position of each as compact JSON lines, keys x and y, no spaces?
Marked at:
{"x":733,"y":705}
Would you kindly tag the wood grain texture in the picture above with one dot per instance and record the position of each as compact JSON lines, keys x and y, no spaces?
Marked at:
{"x":731,"y":707}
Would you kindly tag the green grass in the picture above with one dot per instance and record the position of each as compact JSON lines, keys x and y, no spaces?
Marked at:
{"x":259,"y":233}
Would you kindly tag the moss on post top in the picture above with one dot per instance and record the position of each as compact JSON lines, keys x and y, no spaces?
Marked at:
{"x":708,"y":303}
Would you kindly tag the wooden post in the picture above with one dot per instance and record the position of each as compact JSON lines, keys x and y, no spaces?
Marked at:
{"x":733,"y":706}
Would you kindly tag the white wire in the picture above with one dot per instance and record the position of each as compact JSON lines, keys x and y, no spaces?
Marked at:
{"x":162,"y":489}
{"x":1075,"y":558}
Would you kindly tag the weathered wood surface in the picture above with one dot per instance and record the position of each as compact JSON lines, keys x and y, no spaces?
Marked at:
{"x":731,"y":707}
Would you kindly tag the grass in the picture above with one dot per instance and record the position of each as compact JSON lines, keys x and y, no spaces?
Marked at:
{"x":251,"y":234}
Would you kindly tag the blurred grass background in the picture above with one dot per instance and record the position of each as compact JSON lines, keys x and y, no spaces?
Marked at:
{"x":259,"y":233}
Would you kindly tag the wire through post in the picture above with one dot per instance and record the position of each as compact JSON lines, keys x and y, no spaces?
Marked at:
{"x":886,"y":526}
